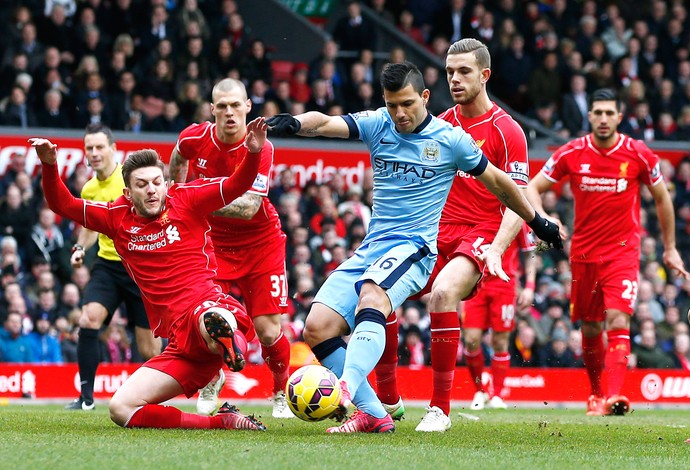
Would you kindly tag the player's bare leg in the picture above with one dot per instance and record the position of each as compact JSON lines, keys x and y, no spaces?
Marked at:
{"x":147,"y":344}
{"x":275,"y":349}
{"x":136,"y":405}
{"x":454,"y":282}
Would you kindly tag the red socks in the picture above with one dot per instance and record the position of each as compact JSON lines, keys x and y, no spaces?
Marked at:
{"x":617,"y":359}
{"x":168,"y":417}
{"x":593,"y":354}
{"x":386,"y":380}
{"x":277,"y":357}
{"x":445,"y":338}
{"x":500,"y":364}
{"x":475,"y":363}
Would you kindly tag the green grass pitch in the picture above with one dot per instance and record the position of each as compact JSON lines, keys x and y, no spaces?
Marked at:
{"x":46,"y":436}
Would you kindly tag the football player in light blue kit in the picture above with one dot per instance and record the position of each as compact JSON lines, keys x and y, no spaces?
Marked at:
{"x":414,"y":157}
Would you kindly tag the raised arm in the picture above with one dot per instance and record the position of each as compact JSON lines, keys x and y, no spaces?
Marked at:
{"x":58,"y":197}
{"x":311,"y":124}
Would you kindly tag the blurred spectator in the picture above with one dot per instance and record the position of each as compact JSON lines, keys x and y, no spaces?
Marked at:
{"x":379,"y":8}
{"x":56,"y":31}
{"x":46,"y":304}
{"x":556,"y":353}
{"x":648,"y":354}
{"x":44,"y":346}
{"x":122,"y":98}
{"x":223,"y":60}
{"x":189,"y":12}
{"x":117,"y":346}
{"x":452,"y":21}
{"x":545,"y":113}
{"x":681,"y":352}
{"x":68,"y":345}
{"x":575,"y":347}
{"x":524,"y":350}
{"x":16,"y":217}
{"x":159,"y":27}
{"x":14,"y":345}
{"x":70,"y":299}
{"x":407,"y":27}
{"x":513,"y":69}
{"x":29,"y":45}
{"x":575,"y":107}
{"x":354,"y":32}
{"x":412,"y":352}
{"x":48,"y":242}
{"x":16,"y":110}
{"x":52,"y":114}
{"x":170,"y":121}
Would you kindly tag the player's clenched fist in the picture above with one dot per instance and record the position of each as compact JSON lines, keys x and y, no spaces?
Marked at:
{"x":283,"y":124}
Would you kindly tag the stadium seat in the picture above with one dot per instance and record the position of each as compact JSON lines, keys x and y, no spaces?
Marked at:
{"x":282,"y":70}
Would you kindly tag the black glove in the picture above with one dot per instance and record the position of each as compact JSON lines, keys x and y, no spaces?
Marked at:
{"x":547,"y":231}
{"x":283,"y":124}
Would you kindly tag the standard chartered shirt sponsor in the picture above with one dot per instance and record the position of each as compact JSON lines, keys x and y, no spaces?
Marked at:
{"x":153,"y":241}
{"x":603,"y":185}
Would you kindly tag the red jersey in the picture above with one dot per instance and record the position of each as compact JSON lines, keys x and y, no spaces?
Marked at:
{"x":170,"y":257}
{"x":523,"y":242}
{"x":606,"y":190}
{"x":208,"y":158}
{"x":504,"y":144}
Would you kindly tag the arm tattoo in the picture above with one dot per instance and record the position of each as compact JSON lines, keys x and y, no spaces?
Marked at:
{"x":504,"y":198}
{"x":178,"y":168}
{"x":313,"y":131}
{"x":244,"y":207}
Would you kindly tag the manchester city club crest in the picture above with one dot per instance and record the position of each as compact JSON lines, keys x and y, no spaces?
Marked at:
{"x":431,"y":152}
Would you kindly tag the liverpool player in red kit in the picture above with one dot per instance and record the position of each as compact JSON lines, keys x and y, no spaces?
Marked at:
{"x":161,"y":236}
{"x":606,"y":170}
{"x":247,"y":237}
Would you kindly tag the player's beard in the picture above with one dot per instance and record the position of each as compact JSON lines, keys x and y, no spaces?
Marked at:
{"x":469,"y":95}
{"x":147,"y":211}
{"x":604,"y":136}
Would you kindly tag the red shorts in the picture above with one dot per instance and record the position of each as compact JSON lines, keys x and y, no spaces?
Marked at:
{"x":187,"y":358}
{"x":608,"y":285}
{"x":259,"y":273}
{"x":460,"y":240}
{"x":491,"y":308}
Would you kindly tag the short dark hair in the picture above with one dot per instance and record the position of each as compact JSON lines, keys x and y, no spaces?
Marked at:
{"x":604,"y":94}
{"x":140,"y":159}
{"x":98,"y":127}
{"x":395,"y":77}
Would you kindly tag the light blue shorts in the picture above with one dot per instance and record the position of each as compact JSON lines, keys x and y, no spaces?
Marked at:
{"x":399,"y":266}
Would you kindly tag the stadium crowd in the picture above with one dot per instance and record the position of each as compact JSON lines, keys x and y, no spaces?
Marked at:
{"x":149,"y":66}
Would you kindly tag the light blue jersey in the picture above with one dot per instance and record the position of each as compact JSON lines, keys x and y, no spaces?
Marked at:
{"x":412,"y":176}
{"x":412,"y":172}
